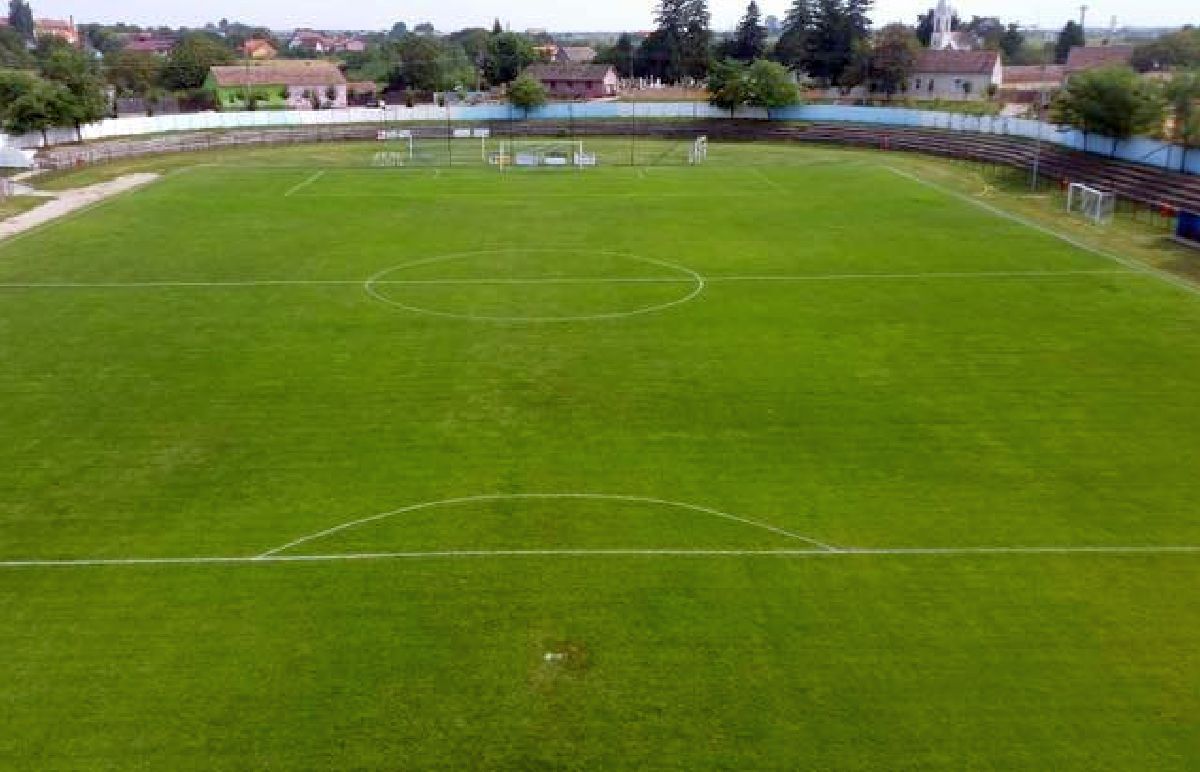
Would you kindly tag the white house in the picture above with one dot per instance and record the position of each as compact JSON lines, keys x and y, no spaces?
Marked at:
{"x":949,"y":74}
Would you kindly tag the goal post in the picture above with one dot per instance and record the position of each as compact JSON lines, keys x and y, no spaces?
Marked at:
{"x":393,"y":158}
{"x":572,"y":154}
{"x":699,"y":152}
{"x":1093,"y":203}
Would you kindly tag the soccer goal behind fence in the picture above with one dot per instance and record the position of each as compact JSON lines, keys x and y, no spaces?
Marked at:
{"x":1092,"y":203}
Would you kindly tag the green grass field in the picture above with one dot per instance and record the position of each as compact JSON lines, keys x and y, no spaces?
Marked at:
{"x":786,"y":461}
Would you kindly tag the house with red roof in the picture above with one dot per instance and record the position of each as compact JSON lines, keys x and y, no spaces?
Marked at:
{"x":1083,"y":58}
{"x":56,"y":28}
{"x":150,"y":43}
{"x":957,"y":75}
{"x":564,"y":80}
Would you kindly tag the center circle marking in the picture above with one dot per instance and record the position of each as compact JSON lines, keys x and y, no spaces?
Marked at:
{"x":695,"y":283}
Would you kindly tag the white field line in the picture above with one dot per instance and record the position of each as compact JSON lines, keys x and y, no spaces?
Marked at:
{"x":546,"y":497}
{"x":770,"y":182}
{"x":1114,"y":551}
{"x":302,"y":185}
{"x":1133,"y":265}
{"x":527,"y":195}
{"x":111,"y":193}
{"x":563,"y":280}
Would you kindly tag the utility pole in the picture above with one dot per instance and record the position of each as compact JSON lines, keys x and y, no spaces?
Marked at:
{"x":1083,"y":9}
{"x":1041,"y":119}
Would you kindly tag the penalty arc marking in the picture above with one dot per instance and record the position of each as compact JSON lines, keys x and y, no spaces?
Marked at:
{"x":546,"y":497}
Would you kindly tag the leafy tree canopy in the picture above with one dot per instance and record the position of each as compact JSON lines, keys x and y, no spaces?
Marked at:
{"x":526,"y":93}
{"x":1180,"y":49}
{"x":192,"y":58}
{"x":1113,"y":101}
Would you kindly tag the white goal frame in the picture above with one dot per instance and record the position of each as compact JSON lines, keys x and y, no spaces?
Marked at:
{"x":1094,"y":204}
{"x":699,"y":152}
{"x":559,"y":155}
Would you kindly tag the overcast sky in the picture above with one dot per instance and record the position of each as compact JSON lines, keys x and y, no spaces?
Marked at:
{"x":568,"y":16}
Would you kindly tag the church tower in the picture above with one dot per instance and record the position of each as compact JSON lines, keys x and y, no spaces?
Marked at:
{"x":943,"y":36}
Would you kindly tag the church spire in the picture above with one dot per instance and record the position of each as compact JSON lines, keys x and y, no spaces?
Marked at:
{"x":943,"y":21}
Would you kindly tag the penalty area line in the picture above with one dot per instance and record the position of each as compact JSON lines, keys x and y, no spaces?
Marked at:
{"x":1135,"y":266}
{"x":612,"y":553}
{"x":302,"y":185}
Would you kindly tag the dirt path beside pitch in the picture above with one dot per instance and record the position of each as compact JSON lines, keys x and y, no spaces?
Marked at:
{"x":69,"y":201}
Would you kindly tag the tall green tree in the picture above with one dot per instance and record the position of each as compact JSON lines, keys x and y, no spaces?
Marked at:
{"x":750,"y":36}
{"x":87,"y":97}
{"x":840,"y":33}
{"x":510,"y":55}
{"x":133,"y":73}
{"x":620,"y":55}
{"x":1183,"y":98}
{"x":44,"y":106}
{"x":20,"y":18}
{"x":771,"y":86}
{"x":1070,"y":36}
{"x":1012,"y":43}
{"x":679,"y":46}
{"x":192,"y":57}
{"x":13,"y":52}
{"x":697,"y":39}
{"x":728,"y":85}
{"x":13,"y":85}
{"x":894,"y":52}
{"x":1112,"y":101}
{"x":792,"y":48}
{"x":526,"y":93}
{"x":398,"y":31}
{"x":762,"y":83}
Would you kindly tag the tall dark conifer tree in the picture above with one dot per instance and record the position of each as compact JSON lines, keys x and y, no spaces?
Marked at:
{"x":750,"y":37}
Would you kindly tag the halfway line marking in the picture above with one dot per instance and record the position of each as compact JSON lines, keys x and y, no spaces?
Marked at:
{"x":567,"y":280}
{"x":618,"y":553}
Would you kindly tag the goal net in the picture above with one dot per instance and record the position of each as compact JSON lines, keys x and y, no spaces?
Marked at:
{"x":398,"y":144}
{"x":538,"y":154}
{"x":1094,"y":204}
{"x":699,"y":151}
{"x":431,"y":147}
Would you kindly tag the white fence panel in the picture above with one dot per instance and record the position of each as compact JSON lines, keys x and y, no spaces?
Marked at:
{"x":1141,"y":150}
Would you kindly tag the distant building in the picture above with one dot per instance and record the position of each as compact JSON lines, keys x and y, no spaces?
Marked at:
{"x":362,"y":94}
{"x":1034,"y":77}
{"x":294,"y":84}
{"x":313,"y":42}
{"x":576,"y":54}
{"x":259,"y":49}
{"x":150,"y":43}
{"x":961,"y":75}
{"x":55,"y":28}
{"x":565,"y":80}
{"x":1083,"y":58}
{"x":309,"y":41}
{"x":945,"y":37}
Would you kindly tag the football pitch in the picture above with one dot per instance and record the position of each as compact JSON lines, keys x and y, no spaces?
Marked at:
{"x":788,"y":460}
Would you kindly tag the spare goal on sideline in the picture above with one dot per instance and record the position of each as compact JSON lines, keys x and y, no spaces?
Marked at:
{"x":1095,"y":204}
